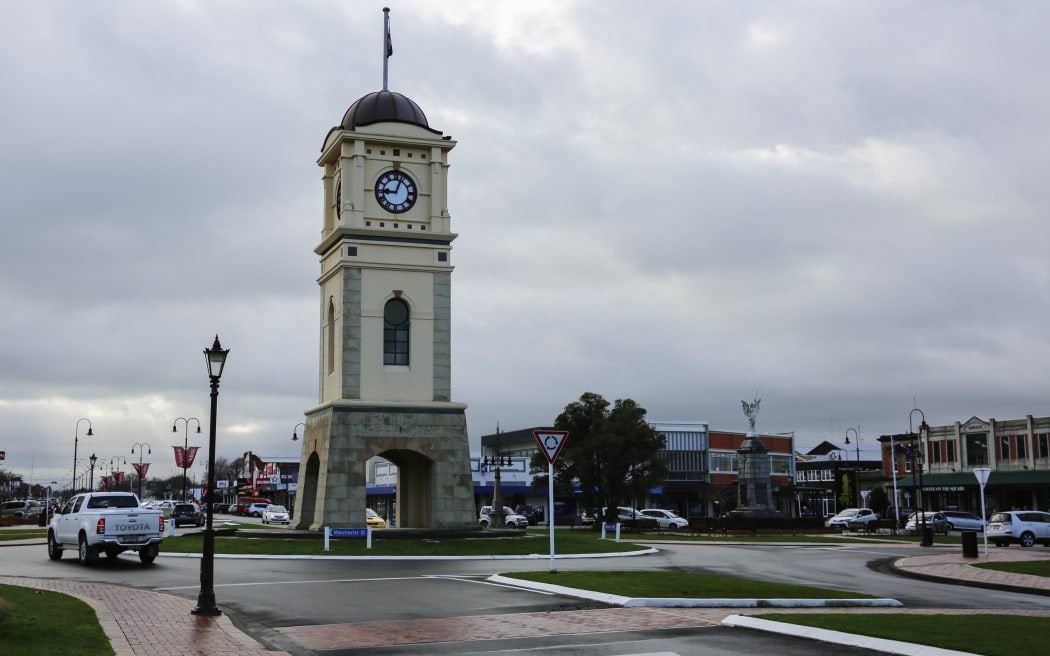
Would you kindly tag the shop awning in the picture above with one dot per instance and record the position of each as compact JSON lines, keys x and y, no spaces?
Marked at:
{"x":967,"y":479}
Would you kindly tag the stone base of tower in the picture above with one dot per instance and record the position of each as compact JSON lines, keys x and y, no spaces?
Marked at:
{"x":427,"y":442}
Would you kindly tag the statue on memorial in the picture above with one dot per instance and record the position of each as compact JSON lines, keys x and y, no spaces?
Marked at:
{"x":751,"y":411}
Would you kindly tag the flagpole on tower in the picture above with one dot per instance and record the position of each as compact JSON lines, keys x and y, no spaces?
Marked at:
{"x":388,"y":46}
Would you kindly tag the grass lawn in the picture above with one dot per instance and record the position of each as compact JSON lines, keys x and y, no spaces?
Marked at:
{"x":991,"y":635}
{"x":22,"y":533}
{"x":689,"y":585}
{"x":49,"y":624}
{"x":1034,"y":567}
{"x":535,"y":542}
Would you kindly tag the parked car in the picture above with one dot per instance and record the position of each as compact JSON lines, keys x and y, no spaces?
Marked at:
{"x":848,"y":516}
{"x":632,"y":519}
{"x":934,"y":520}
{"x":274,"y":514}
{"x":1023,"y":527}
{"x":666,"y":518}
{"x":963,"y":521}
{"x":256,"y":508}
{"x":186,"y":513}
{"x":244,"y":505}
{"x":373,"y":519}
{"x":20,"y":509}
{"x":510,"y":518}
{"x":902,"y":513}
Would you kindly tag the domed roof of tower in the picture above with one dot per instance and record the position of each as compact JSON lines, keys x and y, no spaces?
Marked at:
{"x":380,"y":106}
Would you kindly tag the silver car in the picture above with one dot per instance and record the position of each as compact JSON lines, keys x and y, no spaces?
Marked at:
{"x":934,"y":520}
{"x":963,"y":521}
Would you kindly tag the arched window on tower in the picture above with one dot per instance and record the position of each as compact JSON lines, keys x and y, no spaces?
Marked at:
{"x":395,"y":332}
{"x":331,"y":336}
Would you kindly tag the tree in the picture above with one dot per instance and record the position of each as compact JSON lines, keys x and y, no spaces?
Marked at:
{"x":846,"y":495}
{"x":612,"y":452}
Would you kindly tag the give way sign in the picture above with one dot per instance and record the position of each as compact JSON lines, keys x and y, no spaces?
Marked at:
{"x":551,"y":443}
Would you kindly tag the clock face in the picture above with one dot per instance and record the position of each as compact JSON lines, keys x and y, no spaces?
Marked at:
{"x":396,"y":192}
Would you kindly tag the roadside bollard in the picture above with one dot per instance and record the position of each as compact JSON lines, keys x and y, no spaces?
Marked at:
{"x":969,"y":544}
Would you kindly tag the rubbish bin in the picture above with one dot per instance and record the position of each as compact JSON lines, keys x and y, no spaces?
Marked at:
{"x":927,"y":537}
{"x":969,"y":543}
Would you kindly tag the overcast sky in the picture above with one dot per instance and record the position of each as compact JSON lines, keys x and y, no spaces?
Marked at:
{"x":839,"y":207}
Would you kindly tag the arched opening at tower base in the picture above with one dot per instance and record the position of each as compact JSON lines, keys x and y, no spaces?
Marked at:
{"x":414,"y":483}
{"x":428,"y":446}
{"x":307,"y":495}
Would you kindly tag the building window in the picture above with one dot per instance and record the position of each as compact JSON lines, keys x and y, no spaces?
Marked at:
{"x":1022,"y":447}
{"x":976,"y":449}
{"x":1004,"y":447}
{"x":952,"y":457}
{"x":935,"y":452}
{"x":395,"y":332}
{"x":723,"y":462}
{"x":1044,"y":446}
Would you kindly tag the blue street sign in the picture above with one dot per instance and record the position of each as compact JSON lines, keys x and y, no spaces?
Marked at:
{"x":349,"y":532}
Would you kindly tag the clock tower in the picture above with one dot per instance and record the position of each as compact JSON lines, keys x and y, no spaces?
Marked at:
{"x":385,"y":325}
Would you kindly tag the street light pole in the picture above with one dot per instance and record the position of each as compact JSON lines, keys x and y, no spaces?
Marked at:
{"x":295,"y":436}
{"x":185,"y":445}
{"x":927,"y":537}
{"x":216,"y":359}
{"x":76,"y":440}
{"x":149,"y":449}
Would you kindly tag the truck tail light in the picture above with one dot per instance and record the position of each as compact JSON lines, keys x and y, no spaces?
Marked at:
{"x":100,"y":526}
{"x":162,"y":525}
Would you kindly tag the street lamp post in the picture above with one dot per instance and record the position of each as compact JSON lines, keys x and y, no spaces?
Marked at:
{"x":295,"y":436}
{"x":91,"y":478}
{"x":185,"y":445}
{"x":149,"y":449}
{"x":927,"y":536}
{"x":113,"y":467}
{"x":76,"y":440}
{"x":216,"y":359}
{"x":856,"y":477}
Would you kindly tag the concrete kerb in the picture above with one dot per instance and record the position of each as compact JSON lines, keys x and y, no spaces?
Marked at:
{"x":658,"y":602}
{"x":839,"y":637}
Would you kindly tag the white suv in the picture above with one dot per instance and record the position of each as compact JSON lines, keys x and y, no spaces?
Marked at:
{"x":1024,"y":527}
{"x":666,"y":518}
{"x":511,"y":519}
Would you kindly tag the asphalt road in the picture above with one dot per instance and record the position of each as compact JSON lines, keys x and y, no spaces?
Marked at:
{"x":268,"y":594}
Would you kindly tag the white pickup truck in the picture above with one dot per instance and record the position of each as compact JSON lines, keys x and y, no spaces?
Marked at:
{"x":107,"y":522}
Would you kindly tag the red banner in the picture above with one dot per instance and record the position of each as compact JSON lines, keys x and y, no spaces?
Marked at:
{"x":118,"y":477}
{"x":141,"y":469}
{"x":185,"y":456}
{"x":106,"y":482}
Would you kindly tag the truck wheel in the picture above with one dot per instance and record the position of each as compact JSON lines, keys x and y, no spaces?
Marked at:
{"x":86,"y":554}
{"x":54,"y":552}
{"x":148,"y":554}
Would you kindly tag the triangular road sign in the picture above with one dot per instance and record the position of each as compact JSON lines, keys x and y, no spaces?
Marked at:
{"x":551,"y":443}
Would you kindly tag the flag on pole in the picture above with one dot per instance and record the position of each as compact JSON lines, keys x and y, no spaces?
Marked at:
{"x":389,"y":42}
